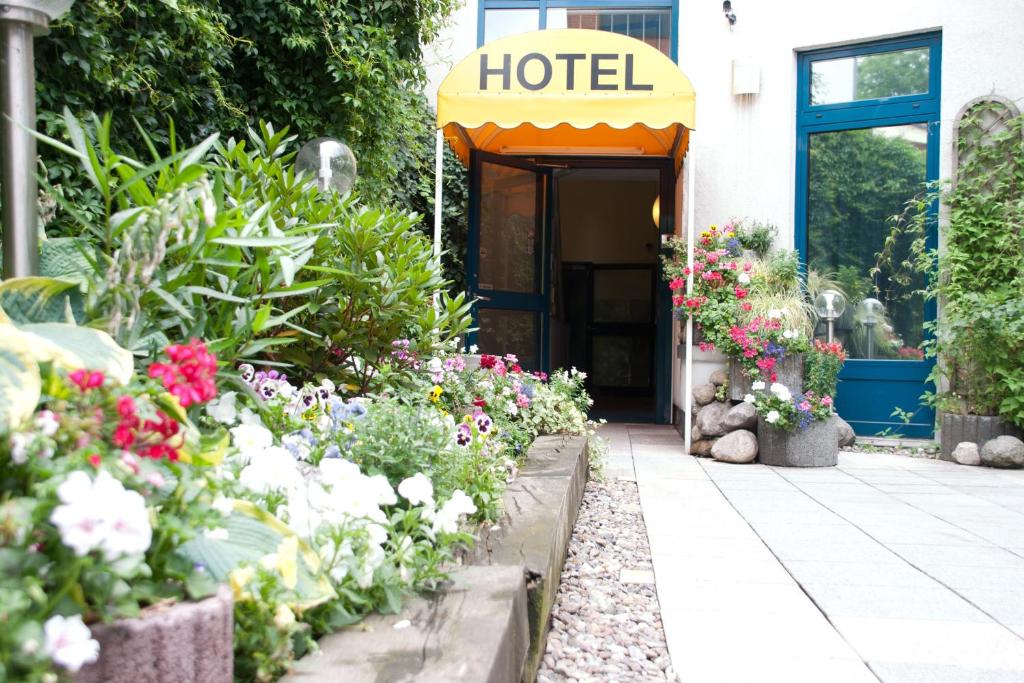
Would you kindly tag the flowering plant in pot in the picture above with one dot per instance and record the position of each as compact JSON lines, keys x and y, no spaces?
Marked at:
{"x":102,"y":486}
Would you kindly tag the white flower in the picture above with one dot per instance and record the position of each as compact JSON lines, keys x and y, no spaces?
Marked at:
{"x":772,"y":417}
{"x":775,"y":314}
{"x":19,"y":448}
{"x":781,"y":390}
{"x":222,"y":504}
{"x":417,"y":489}
{"x":297,"y":445}
{"x":789,"y":334}
{"x":743,"y":279}
{"x":757,"y":386}
{"x":473,"y":348}
{"x":435,"y":365}
{"x":46,"y":423}
{"x":328,"y":385}
{"x":284,"y":618}
{"x":749,"y":398}
{"x":250,"y":417}
{"x":446,"y":520}
{"x":101,"y":514}
{"x":274,"y":468}
{"x":69,"y":643}
{"x":337,"y":471}
{"x":381,"y":489}
{"x":223,"y":409}
{"x":251,"y":440}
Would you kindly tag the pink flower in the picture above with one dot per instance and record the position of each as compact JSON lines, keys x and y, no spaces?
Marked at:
{"x":804,"y":405}
{"x":826,"y":400}
{"x":86,"y":380}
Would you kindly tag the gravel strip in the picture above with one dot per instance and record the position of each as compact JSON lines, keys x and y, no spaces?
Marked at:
{"x":604,"y":629}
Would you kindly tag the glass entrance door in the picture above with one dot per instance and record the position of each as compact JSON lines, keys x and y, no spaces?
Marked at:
{"x":506,"y":258}
{"x":867,"y":130}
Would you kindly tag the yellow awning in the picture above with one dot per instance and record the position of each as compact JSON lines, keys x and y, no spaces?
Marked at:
{"x":567,"y":92}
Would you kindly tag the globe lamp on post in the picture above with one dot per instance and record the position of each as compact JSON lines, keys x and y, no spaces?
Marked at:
{"x":829,"y":305}
{"x":331,"y":161}
{"x":871,"y":311}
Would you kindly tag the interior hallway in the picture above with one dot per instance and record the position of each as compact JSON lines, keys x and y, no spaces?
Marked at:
{"x":885,"y":567}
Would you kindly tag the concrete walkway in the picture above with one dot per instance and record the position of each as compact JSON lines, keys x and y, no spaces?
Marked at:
{"x":885,"y":567}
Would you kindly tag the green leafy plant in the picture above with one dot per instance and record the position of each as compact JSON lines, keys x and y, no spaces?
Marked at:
{"x":821,"y":368}
{"x":756,"y":236}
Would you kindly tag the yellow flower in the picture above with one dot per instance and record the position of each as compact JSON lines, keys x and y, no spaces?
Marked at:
{"x":238,"y":579}
{"x":284,"y":618}
{"x":285,"y":561}
{"x":435,"y":393}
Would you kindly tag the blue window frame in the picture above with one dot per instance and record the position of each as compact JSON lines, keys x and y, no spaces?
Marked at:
{"x":905,"y":106}
{"x":542,"y":7}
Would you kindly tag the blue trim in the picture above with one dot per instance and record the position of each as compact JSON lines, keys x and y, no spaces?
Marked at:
{"x":542,"y":7}
{"x":870,"y":384}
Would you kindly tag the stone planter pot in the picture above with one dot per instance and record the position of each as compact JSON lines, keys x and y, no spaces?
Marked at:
{"x":816,"y":446}
{"x":974,"y":428}
{"x":790,"y":373}
{"x":190,"y":642}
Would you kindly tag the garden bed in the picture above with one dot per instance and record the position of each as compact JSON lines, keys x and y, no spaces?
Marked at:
{"x":492,"y":624}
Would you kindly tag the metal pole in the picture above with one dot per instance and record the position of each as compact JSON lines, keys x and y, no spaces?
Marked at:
{"x":438,"y":205}
{"x":688,"y":385}
{"x":18,"y":157}
{"x":831,"y":328}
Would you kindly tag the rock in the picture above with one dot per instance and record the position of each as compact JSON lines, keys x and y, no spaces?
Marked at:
{"x":711,"y":418}
{"x":741,"y":416}
{"x":702,"y":448}
{"x":696,"y":434}
{"x":704,"y":394}
{"x":846,"y":435}
{"x":1003,"y":451}
{"x":739,"y":446}
{"x":719,"y":377}
{"x":967,"y":453}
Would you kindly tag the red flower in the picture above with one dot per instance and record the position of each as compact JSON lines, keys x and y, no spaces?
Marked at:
{"x":678,"y":301}
{"x":515,"y":368}
{"x":745,"y":306}
{"x":740,"y":292}
{"x":677,"y":283}
{"x":86,"y":380}
{"x":189,"y":375}
{"x":124,"y":436}
{"x":95,"y":460}
{"x":479,"y":402}
{"x":487,"y":362}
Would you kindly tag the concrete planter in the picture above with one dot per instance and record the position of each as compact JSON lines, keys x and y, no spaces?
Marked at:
{"x":190,"y":642}
{"x":790,"y":373}
{"x":815,"y":446}
{"x":973,"y":428}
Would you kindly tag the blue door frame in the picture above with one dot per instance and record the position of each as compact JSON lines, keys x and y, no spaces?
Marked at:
{"x":541,"y":304}
{"x":870,"y":389}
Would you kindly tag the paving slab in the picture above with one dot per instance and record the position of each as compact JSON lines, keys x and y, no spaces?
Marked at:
{"x":883,"y":567}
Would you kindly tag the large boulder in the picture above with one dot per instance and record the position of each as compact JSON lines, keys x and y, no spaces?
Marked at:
{"x":967,"y":453}
{"x":711,"y":418}
{"x":1003,"y":451}
{"x":741,"y":416}
{"x":738,"y":447}
{"x":847,"y":437}
{"x":695,"y":433}
{"x":702,"y":448}
{"x":704,"y":394}
{"x":719,"y":377}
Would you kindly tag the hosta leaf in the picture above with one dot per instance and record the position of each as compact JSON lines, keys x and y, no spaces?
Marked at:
{"x":20,"y":385}
{"x":71,"y":347}
{"x":40,"y":299}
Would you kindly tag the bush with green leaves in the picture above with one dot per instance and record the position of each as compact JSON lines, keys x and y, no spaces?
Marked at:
{"x":977,"y":276}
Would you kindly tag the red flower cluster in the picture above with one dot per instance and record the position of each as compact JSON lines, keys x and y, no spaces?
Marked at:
{"x":833,"y":349}
{"x":153,"y":437}
{"x":190,"y":374}
{"x":677,"y":283}
{"x":487,"y":362}
{"x":86,"y":380}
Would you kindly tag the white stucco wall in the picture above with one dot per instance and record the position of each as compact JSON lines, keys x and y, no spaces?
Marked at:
{"x":746,"y":158}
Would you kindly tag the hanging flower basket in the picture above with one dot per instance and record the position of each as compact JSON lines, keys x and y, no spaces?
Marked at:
{"x":816,"y":445}
{"x":190,"y":642}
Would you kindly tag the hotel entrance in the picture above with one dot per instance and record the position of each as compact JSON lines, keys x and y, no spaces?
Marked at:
{"x":574,"y":140}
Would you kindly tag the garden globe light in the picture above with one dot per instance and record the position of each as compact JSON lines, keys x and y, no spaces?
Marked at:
{"x":331,"y":161}
{"x":829,"y":305}
{"x":20,"y":22}
{"x":871,"y":311}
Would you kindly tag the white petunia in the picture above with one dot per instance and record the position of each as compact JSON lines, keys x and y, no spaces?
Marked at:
{"x":473,"y":348}
{"x":772,"y":417}
{"x":224,"y":409}
{"x":250,"y":440}
{"x":247,"y":416}
{"x":744,"y":279}
{"x":101,"y":514}
{"x":46,"y":423}
{"x":781,"y":390}
{"x":69,"y":642}
{"x":273,"y":469}
{"x":337,"y":471}
{"x":789,"y":334}
{"x":446,"y":520}
{"x":757,"y":386}
{"x":749,"y":398}
{"x":417,"y":489}
{"x":19,"y":448}
{"x":383,"y":494}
